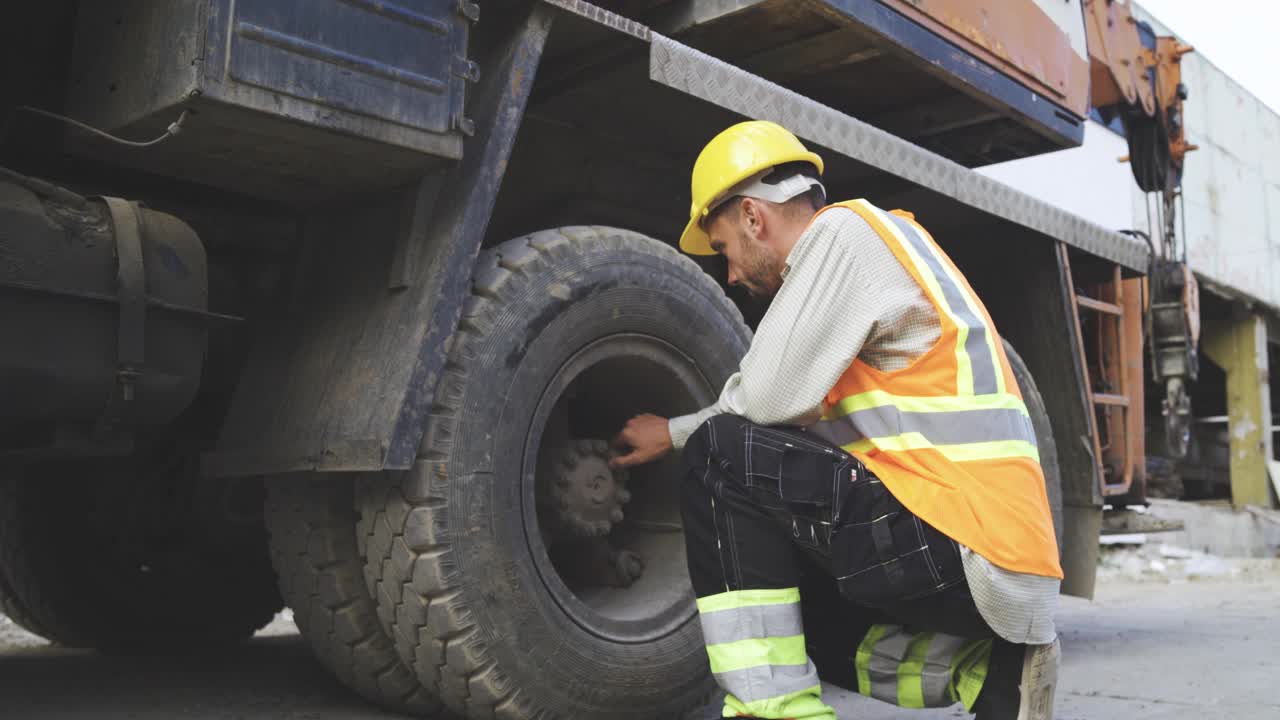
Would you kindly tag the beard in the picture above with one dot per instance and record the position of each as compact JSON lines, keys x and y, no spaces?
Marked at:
{"x":761,"y":274}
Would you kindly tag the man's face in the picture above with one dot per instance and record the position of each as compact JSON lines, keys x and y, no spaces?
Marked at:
{"x":753,"y":264}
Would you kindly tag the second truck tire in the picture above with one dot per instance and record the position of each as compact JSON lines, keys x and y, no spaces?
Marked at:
{"x":81,"y":566}
{"x":504,"y":587}
{"x":1044,"y":437}
{"x":312,"y":525}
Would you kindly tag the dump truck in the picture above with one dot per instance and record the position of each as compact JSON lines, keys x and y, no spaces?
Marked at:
{"x":335,"y":303}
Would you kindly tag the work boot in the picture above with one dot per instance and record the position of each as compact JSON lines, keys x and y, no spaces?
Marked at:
{"x":1020,"y":683}
{"x":1039,"y":681}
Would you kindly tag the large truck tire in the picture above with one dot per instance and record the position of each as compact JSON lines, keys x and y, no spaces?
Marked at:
{"x":12,"y":597}
{"x":312,"y":524}
{"x":517,"y":575}
{"x":1044,"y":437}
{"x":73,"y":570}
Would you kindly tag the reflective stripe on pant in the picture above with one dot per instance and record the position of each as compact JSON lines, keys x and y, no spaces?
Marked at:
{"x":922,"y":669}
{"x":755,"y":641}
{"x":757,"y":511}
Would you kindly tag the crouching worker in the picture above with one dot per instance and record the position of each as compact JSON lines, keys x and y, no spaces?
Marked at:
{"x":864,"y":503}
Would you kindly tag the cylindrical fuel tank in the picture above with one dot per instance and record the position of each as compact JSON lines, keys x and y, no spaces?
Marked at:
{"x":62,"y":327}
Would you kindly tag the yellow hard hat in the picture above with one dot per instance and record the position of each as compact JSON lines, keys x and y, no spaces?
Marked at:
{"x":731,"y":157}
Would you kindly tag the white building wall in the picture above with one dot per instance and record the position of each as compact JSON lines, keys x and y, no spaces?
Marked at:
{"x":1231,"y":185}
{"x":1087,"y":181}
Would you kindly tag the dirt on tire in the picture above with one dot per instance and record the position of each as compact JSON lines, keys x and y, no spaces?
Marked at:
{"x":312,"y":524}
{"x":457,"y":590}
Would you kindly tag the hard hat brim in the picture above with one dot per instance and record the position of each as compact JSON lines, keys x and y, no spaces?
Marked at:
{"x":731,"y":158}
{"x":695,"y":240}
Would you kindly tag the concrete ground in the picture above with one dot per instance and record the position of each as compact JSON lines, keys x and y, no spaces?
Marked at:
{"x":1159,"y":642}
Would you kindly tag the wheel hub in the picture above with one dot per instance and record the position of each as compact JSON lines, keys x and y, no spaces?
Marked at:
{"x":586,"y":495}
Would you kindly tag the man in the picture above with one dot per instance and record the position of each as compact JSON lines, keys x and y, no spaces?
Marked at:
{"x":872,"y":456}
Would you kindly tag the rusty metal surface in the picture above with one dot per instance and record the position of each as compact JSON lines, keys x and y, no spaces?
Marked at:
{"x":698,"y":74}
{"x":1117,"y":398}
{"x":1090,"y":436}
{"x":899,"y":69}
{"x":917,"y":49}
{"x":1019,"y":38}
{"x":1167,"y":61}
{"x":1116,"y":55}
{"x":1134,"y":367}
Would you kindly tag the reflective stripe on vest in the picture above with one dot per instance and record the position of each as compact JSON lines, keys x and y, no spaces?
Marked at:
{"x":949,"y":435}
{"x":981,"y":421}
{"x":921,"y":670}
{"x":755,"y":642}
{"x":976,"y":351}
{"x":1002,"y":420}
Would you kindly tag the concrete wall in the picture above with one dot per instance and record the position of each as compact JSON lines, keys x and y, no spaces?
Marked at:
{"x":1217,"y":529}
{"x":1086,"y":181}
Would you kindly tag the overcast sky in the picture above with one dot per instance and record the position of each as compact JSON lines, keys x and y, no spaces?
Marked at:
{"x":1236,"y":35}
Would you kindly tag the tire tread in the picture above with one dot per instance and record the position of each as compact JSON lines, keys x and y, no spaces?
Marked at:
{"x":322,"y":578}
{"x":446,"y":652}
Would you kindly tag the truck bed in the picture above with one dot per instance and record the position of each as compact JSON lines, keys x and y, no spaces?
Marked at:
{"x":620,"y":90}
{"x":977,"y":83}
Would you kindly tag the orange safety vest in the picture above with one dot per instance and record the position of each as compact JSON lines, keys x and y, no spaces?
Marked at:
{"x":948,"y":435}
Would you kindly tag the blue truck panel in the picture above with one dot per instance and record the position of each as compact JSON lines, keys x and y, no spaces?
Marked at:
{"x":290,"y":99}
{"x":390,"y":61}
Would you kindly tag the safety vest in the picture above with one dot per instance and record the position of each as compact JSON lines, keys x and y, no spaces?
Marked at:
{"x":948,"y":435}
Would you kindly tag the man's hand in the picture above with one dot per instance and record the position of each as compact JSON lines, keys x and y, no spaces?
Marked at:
{"x":645,"y":438}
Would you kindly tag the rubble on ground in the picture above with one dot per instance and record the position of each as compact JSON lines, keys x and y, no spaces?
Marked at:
{"x":1139,"y":558}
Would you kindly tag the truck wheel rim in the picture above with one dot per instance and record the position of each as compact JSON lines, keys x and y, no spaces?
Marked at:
{"x":602,"y":385}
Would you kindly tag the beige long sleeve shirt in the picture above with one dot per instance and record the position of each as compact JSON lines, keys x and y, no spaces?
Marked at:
{"x":844,"y":295}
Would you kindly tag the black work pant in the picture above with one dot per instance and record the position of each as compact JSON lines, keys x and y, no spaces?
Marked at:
{"x":769,"y":507}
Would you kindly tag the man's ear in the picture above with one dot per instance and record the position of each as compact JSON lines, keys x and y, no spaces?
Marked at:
{"x":753,"y":216}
